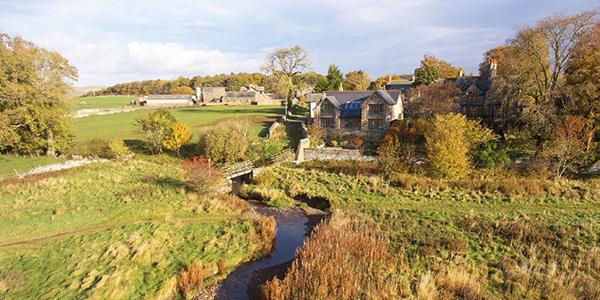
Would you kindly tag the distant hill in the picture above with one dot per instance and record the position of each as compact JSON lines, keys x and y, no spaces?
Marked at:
{"x":78,"y":91}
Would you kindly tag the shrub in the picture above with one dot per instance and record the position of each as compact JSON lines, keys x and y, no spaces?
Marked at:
{"x":263,"y":149}
{"x":119,"y":150}
{"x":202,"y":174}
{"x":179,"y":135}
{"x":399,"y":146}
{"x":316,"y":135}
{"x":492,"y":155}
{"x":226,"y":142}
{"x":155,"y":127}
{"x":450,"y":142}
{"x":568,"y":148}
{"x":99,"y":148}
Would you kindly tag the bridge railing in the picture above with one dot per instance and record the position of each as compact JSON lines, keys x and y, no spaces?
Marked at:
{"x":243,"y":167}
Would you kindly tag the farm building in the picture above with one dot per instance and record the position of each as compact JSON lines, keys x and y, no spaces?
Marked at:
{"x":166,"y":100}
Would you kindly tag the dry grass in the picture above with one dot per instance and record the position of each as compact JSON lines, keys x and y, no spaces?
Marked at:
{"x":338,"y":262}
{"x":192,"y":279}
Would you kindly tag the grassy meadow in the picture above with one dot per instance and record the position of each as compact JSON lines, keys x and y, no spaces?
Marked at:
{"x":9,"y":164}
{"x":119,"y":230}
{"x":122,"y":125}
{"x":78,"y":103}
{"x":411,"y":237}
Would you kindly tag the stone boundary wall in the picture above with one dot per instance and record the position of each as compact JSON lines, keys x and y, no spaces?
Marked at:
{"x":335,"y":154}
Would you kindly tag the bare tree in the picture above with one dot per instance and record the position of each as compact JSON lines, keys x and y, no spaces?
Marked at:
{"x":550,"y":44}
{"x":288,"y":62}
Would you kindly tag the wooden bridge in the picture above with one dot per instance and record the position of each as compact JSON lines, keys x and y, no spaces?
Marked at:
{"x":249,"y":167}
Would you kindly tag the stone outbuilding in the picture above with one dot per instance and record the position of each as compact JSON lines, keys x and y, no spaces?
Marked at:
{"x":166,"y":100}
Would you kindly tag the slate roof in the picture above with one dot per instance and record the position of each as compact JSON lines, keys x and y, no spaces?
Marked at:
{"x":350,"y":103}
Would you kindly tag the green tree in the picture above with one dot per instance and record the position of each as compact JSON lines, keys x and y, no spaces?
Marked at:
{"x":426,"y":75}
{"x":180,"y":134}
{"x":335,"y":78}
{"x":156,"y":127}
{"x":357,"y":81}
{"x":33,"y":83}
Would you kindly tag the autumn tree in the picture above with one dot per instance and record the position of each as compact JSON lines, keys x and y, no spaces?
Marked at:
{"x":444,"y":68}
{"x":436,"y":98}
{"x":180,"y":134}
{"x":33,"y":83}
{"x":399,"y":147}
{"x":568,"y":147}
{"x":451,"y":143}
{"x":185,"y":90}
{"x":357,"y":81}
{"x":583,"y":80}
{"x":155,"y":128}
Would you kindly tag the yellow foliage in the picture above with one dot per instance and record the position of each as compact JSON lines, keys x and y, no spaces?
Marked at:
{"x":180,"y":134}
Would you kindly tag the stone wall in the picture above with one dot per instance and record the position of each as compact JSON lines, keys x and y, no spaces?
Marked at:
{"x":335,"y":154}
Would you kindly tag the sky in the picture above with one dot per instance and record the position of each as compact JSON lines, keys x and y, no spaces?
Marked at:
{"x":112,"y":41}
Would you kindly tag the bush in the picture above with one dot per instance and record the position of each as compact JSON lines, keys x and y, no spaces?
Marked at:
{"x":226,"y":142}
{"x":155,"y":127}
{"x":316,"y":135}
{"x":201,"y":174}
{"x":99,"y":148}
{"x":118,"y":149}
{"x":492,"y":155}
{"x":451,"y":141}
{"x":263,"y":150}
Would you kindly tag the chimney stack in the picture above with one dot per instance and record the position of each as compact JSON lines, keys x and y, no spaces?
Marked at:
{"x":493,"y":67}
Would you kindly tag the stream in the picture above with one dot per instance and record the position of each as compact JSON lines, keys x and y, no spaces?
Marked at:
{"x":293,"y":227}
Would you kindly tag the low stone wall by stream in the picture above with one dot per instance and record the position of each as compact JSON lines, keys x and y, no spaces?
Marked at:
{"x":336,"y":154}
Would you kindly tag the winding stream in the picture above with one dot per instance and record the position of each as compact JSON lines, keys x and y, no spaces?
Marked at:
{"x":293,"y":227}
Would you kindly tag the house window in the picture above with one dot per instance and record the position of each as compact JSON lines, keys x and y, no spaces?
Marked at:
{"x":375,"y":124}
{"x":375,"y":109}
{"x":351,"y":124}
{"x":327,"y":123}
{"x":327,"y":109}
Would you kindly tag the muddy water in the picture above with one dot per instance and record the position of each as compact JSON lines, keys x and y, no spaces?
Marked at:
{"x":293,"y":227}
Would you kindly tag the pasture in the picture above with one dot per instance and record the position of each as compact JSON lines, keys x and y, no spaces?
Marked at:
{"x":118,"y":230}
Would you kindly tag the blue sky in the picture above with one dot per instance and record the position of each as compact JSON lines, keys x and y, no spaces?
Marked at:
{"x":112,"y":41}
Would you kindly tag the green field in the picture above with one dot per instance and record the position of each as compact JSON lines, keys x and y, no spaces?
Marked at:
{"x":122,"y":125}
{"x":118,"y":230}
{"x":9,"y":164}
{"x":78,"y":103}
{"x":537,"y":239}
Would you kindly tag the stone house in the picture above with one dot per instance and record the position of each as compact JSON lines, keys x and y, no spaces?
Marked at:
{"x":369,"y":111}
{"x":166,"y":100}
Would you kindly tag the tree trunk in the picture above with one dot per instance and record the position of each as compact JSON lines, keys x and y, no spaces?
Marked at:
{"x":50,"y":151}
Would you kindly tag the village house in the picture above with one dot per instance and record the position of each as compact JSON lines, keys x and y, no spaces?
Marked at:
{"x":368,"y":111}
{"x":166,"y":100}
